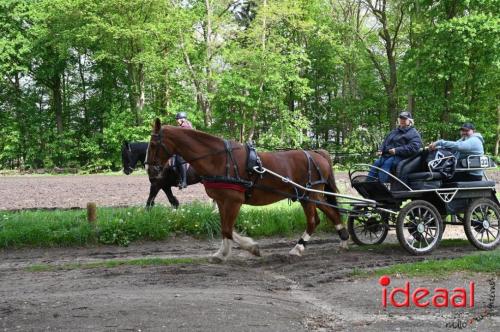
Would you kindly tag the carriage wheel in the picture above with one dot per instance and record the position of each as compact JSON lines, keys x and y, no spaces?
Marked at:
{"x":369,"y":227}
{"x":419,"y":227}
{"x":482,"y":224}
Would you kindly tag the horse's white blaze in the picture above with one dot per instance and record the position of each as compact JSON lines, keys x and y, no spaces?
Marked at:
{"x":297,"y":250}
{"x":225,"y":249}
{"x":244,"y":242}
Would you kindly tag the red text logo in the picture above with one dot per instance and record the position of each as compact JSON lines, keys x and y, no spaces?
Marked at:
{"x":422,"y":297}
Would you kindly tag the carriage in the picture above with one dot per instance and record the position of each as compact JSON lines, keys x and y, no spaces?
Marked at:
{"x":420,"y":200}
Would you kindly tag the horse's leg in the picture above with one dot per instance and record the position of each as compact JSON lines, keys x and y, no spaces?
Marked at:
{"x":317,"y":220}
{"x":246,"y":243}
{"x":153,"y":191}
{"x":334,"y":217}
{"x":310,"y":212}
{"x":228,"y":211}
{"x":171,"y":198}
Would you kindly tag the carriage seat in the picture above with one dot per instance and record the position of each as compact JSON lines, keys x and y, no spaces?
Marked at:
{"x":415,"y":173}
{"x":425,"y":176}
{"x":415,"y":169}
{"x":470,"y":184}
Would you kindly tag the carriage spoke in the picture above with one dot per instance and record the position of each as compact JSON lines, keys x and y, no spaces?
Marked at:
{"x":428,"y":221}
{"x":414,"y":222}
{"x":493,"y":235}
{"x":428,"y":244}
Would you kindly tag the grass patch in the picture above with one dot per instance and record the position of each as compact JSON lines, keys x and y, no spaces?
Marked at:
{"x":116,"y":263}
{"x":484,"y":262}
{"x":121,"y":226}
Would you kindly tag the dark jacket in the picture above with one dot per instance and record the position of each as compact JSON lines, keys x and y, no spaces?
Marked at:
{"x":406,"y":141}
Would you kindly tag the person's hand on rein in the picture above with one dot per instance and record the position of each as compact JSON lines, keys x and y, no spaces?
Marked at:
{"x":392,"y":151}
{"x":432,"y":146}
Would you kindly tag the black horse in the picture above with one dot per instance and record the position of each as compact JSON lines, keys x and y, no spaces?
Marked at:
{"x":135,"y":152}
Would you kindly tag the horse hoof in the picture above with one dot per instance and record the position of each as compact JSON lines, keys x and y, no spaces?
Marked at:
{"x":297,"y":250}
{"x":344,"y":245}
{"x":255,"y":251}
{"x":216,"y":260}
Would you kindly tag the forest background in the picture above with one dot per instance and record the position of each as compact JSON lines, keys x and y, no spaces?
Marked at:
{"x":79,"y":77}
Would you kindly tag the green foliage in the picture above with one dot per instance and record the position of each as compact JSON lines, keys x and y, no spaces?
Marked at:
{"x":77,"y":77}
{"x":121,"y":226}
{"x":484,"y":262}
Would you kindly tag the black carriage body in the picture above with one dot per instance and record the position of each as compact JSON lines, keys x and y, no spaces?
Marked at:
{"x":413,"y":186}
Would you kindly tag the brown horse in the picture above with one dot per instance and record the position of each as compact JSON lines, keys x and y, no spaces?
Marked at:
{"x":209,"y":156}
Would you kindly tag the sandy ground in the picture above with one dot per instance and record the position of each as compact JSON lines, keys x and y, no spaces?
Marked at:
{"x":75,"y":191}
{"x":273,"y":293}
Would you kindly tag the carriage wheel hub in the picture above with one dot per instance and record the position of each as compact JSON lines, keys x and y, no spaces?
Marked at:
{"x":486,"y":224}
{"x":420,"y":228}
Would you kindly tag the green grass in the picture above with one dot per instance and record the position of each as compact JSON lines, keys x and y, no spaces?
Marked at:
{"x":121,"y":226}
{"x":488,"y":262}
{"x":116,"y":263}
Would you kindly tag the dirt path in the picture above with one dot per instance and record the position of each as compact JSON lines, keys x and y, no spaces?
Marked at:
{"x":271,"y":293}
{"x":74,"y":191}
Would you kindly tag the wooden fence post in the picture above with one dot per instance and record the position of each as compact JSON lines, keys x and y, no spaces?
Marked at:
{"x":91,"y":212}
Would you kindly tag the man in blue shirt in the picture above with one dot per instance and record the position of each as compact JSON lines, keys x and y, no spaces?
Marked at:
{"x":470,"y":143}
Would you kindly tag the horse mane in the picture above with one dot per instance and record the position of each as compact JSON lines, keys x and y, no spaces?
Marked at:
{"x":197,"y":135}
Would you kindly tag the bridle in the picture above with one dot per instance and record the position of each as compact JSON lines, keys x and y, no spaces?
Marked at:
{"x":157,"y":139}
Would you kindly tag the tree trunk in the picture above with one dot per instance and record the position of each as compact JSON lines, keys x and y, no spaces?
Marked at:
{"x":57,"y":102}
{"x":21,"y":118}
{"x":84,"y":91}
{"x":140,"y":88}
{"x":261,"y":86}
{"x":389,"y":41}
{"x":132,"y":94}
{"x":451,"y":12}
{"x":392,"y":93}
{"x":207,"y":111}
{"x":411,"y":104}
{"x":445,"y":116}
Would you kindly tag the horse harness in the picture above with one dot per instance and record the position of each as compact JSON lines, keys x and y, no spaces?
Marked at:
{"x":253,"y":162}
{"x":234,"y":182}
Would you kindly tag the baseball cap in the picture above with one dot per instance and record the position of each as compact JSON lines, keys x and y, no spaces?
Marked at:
{"x":468,"y":126}
{"x":405,"y":115}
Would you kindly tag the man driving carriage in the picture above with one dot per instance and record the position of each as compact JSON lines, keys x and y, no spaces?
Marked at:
{"x":180,"y":163}
{"x":470,"y":143}
{"x":402,"y":142}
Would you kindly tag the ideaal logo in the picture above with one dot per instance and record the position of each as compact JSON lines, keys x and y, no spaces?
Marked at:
{"x":422,"y":297}
{"x":459,"y":297}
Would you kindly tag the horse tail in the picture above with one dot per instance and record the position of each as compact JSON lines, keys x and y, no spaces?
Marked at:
{"x":330,"y":186}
